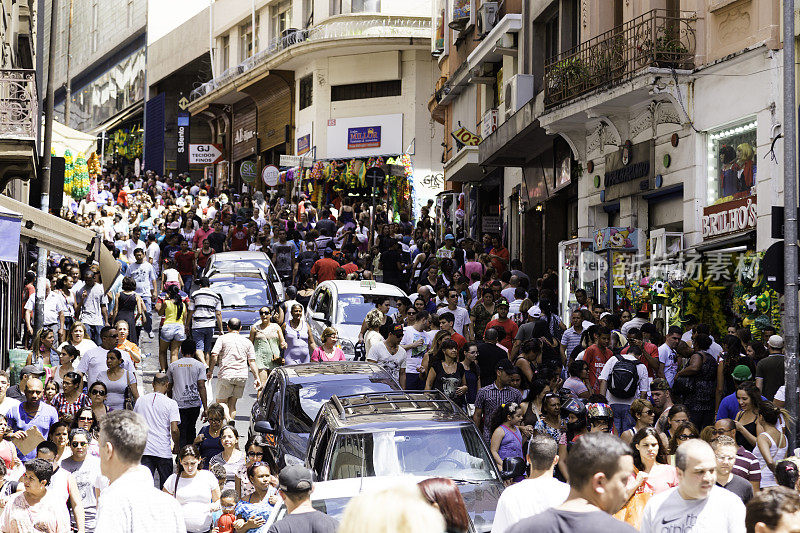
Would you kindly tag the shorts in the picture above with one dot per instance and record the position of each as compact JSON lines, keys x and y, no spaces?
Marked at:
{"x":230,"y":387}
{"x":204,"y":337}
{"x":173,"y":332}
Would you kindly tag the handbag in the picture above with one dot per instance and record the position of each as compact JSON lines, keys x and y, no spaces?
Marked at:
{"x":128,"y":399}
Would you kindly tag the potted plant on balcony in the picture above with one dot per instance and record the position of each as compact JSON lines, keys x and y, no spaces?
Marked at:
{"x":567,"y":78}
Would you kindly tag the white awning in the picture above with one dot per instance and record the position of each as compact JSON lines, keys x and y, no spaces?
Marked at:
{"x":490,"y":49}
{"x":51,"y":232}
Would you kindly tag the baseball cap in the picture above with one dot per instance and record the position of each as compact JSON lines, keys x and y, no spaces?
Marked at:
{"x":506,"y":366}
{"x":602,"y":316}
{"x":659,"y":384}
{"x":295,"y":478}
{"x":535,"y":312}
{"x":397,"y":329}
{"x":31,"y":369}
{"x":741,"y":373}
{"x":449,"y":236}
{"x":775,"y":341}
{"x":503,"y":302}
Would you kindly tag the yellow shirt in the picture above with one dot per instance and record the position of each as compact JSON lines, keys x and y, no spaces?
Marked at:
{"x":171,"y":313}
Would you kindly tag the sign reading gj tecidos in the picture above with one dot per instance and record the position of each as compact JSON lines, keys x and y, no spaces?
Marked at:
{"x":729,"y":217}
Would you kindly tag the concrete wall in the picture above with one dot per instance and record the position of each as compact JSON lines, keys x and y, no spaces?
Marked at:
{"x":178,"y":48}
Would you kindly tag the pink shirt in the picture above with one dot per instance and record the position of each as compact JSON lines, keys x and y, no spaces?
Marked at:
{"x":320,"y":355}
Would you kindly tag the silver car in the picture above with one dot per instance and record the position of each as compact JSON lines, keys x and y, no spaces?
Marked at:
{"x":249,"y":261}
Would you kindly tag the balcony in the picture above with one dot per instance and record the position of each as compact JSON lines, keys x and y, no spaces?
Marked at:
{"x":337,"y":27}
{"x":658,"y":39}
{"x":18,"y":105}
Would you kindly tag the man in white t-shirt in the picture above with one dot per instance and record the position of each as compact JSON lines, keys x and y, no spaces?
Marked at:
{"x":390,"y":355}
{"x":6,"y":403}
{"x":188,"y":378}
{"x":697,"y":503}
{"x":540,"y":491}
{"x":91,"y":305}
{"x":623,"y":381}
{"x":162,"y":417}
{"x":461,"y":323}
{"x":144,"y":274}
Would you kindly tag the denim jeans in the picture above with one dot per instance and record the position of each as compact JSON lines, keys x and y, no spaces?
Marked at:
{"x":187,"y":283}
{"x":623,"y":420}
{"x":161,"y":465}
{"x":204,"y":337}
{"x":94,"y":333}
{"x":148,"y":313}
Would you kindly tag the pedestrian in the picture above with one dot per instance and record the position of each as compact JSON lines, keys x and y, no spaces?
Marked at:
{"x":725,"y":451}
{"x":85,"y":469}
{"x":771,"y":444}
{"x":506,"y":438}
{"x":622,"y":380}
{"x":299,"y":341}
{"x":208,"y":438}
{"x":443,"y":494}
{"x":187,"y":376}
{"x":31,"y":415}
{"x":539,"y":492}
{"x":492,"y":396}
{"x":129,"y":307}
{"x":390,"y":355}
{"x":599,"y":467}
{"x":94,"y":362}
{"x":696,"y":503}
{"x":256,"y":450}
{"x":236,"y":355}
{"x":129,"y":504}
{"x":489,"y":354}
{"x":91,"y":304}
{"x":446,"y":374}
{"x":62,"y":487}
{"x":78,"y":338}
{"x":268,"y":341}
{"x":120,"y":383}
{"x":774,"y":510}
{"x":770,"y":370}
{"x":173,"y":328}
{"x":231,"y":457}
{"x":195,"y":490}
{"x":746,"y":465}
{"x":461,"y":320}
{"x":668,"y":356}
{"x":32,"y":511}
{"x":596,"y":356}
{"x":161,"y":415}
{"x":204,"y":311}
{"x":701,"y":376}
{"x":328,"y":351}
{"x":295,"y":485}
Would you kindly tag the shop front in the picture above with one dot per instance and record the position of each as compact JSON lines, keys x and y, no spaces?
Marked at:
{"x":244,"y":145}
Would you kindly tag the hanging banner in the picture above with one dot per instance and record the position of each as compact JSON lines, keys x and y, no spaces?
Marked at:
{"x":363,"y":137}
{"x":182,"y":159}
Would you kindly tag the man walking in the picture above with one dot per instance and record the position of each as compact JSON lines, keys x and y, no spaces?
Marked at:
{"x":696,"y":504}
{"x":770,"y":373}
{"x":30,"y":415}
{"x":725,"y":450}
{"x":204,"y":311}
{"x":94,"y":361}
{"x":295,"y":484}
{"x":188,"y":378}
{"x":162,"y":417}
{"x":668,"y":356}
{"x":91,"y":305}
{"x":85,"y":468}
{"x":130,"y":504}
{"x":491,"y":397}
{"x":236,"y":355}
{"x":144,"y":274}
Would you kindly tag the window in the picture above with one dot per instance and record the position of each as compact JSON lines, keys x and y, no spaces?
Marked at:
{"x":336,"y":7}
{"x":281,"y":18}
{"x":731,"y":162}
{"x":551,"y":37}
{"x":245,"y":41}
{"x":357,"y":91}
{"x":366,"y":6}
{"x":308,"y":13}
{"x":306,"y":91}
{"x":225,"y":51}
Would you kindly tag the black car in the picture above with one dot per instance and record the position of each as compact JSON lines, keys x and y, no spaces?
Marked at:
{"x":294,"y":394}
{"x":242,"y":295}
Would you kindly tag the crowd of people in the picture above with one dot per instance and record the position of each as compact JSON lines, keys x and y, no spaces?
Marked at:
{"x":660,"y":426}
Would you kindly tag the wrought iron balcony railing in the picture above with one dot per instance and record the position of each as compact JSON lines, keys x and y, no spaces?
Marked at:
{"x":18,"y":104}
{"x":657,"y":38}
{"x":337,"y":28}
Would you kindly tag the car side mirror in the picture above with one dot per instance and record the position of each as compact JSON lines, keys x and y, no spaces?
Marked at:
{"x":264,"y":427}
{"x":319,"y":316}
{"x":513,"y":467}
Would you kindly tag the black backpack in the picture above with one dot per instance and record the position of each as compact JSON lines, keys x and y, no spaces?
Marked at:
{"x":306,"y":262}
{"x":624,"y":379}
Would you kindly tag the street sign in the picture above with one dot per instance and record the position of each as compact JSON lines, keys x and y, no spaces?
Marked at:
{"x":182,"y":158}
{"x":183,"y":103}
{"x":248,"y":171}
{"x":295,"y":161}
{"x":205,"y":154}
{"x":270,"y":175}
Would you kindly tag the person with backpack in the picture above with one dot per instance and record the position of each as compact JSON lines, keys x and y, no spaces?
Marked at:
{"x":622,"y":380}
{"x":305,"y":262}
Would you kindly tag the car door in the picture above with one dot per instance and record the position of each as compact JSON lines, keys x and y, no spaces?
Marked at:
{"x":270,"y":408}
{"x":316,"y":305}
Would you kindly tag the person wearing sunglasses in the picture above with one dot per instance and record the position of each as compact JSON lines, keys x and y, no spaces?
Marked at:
{"x":268,"y":341}
{"x":97,"y":399}
{"x":85,"y":468}
{"x":94,"y":362}
{"x":685,"y":431}
{"x":256,"y":450}
{"x":644,"y":415}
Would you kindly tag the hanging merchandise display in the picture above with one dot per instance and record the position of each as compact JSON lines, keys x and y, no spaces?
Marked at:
{"x":754,"y":301}
{"x":127,"y":142}
{"x":80,"y":178}
{"x":704,"y":300}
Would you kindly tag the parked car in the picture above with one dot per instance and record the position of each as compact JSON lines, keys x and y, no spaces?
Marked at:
{"x":242,"y":295}
{"x":420,"y":433}
{"x":343,"y":304}
{"x":250,"y":261}
{"x":292,"y":396}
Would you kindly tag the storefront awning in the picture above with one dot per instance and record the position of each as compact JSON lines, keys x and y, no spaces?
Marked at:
{"x":123,"y":116}
{"x":464,"y":166}
{"x":741,"y":239}
{"x":491,"y":48}
{"x":51,"y":232}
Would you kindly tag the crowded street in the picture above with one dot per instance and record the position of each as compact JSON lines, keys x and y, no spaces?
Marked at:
{"x":374,"y":266}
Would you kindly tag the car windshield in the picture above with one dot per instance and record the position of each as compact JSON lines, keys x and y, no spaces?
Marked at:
{"x":303,"y":401}
{"x":353,"y":308}
{"x":452,"y":452}
{"x":246,"y":265}
{"x":245,"y":292}
{"x":333,"y":507}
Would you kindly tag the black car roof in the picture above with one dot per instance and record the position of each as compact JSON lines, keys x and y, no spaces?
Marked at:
{"x":333,"y":371}
{"x":390,"y":408}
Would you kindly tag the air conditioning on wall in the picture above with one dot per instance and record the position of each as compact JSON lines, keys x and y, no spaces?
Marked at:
{"x":487,"y":17}
{"x":518,"y":92}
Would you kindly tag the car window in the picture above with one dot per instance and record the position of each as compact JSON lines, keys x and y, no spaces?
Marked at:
{"x":313,"y":300}
{"x":333,"y":507}
{"x":353,"y":308}
{"x":268,"y":391}
{"x":321,"y":447}
{"x":452,"y":452}
{"x":274,"y":408}
{"x":244,"y":292}
{"x":247,"y":265}
{"x":324,"y":302}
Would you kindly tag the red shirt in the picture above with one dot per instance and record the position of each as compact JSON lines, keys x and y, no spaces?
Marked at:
{"x":650,"y":349}
{"x":122,"y":198}
{"x":496,"y":263}
{"x":459,"y":339}
{"x":596,"y":359}
{"x":509,"y":326}
{"x":325,"y":269}
{"x":238,"y":240}
{"x":185,"y":262}
{"x":350,"y":268}
{"x":200,"y":236}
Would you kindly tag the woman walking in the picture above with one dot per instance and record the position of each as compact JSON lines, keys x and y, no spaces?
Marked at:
{"x":268,"y":341}
{"x":643,"y":414}
{"x":771,"y":443}
{"x":128,"y":306}
{"x":231,"y":457}
{"x":252,"y":511}
{"x":118,"y":381}
{"x":506,"y":436}
{"x":446,"y":374}
{"x":197,"y":491}
{"x":328,"y":351}
{"x":173,"y":330}
{"x":299,"y":343}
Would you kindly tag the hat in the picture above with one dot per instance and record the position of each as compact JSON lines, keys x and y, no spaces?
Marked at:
{"x":603,"y":315}
{"x":31,"y":369}
{"x":535,"y":312}
{"x":295,"y":478}
{"x":397,"y":329}
{"x":449,"y":236}
{"x":503,"y":302}
{"x":174,"y":225}
{"x":775,"y":341}
{"x":659,"y":384}
{"x":741,"y":373}
{"x":506,"y":366}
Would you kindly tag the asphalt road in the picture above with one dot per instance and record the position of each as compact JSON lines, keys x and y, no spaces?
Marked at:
{"x":150,"y":368}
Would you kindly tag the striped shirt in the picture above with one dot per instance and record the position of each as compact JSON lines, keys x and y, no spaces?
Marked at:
{"x":65,"y":407}
{"x":747,"y":466}
{"x":489,"y":399}
{"x":570,"y":339}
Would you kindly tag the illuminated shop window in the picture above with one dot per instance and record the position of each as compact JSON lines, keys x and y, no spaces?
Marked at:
{"x":731,"y":162}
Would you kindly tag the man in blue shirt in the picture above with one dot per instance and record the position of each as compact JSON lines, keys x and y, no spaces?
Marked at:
{"x":729,"y":405}
{"x":33,"y":412}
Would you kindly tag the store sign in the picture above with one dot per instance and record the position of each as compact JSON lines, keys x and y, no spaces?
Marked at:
{"x":616,"y":238}
{"x":295,"y":161}
{"x":729,"y":217}
{"x":205,"y":154}
{"x":248,"y":171}
{"x":490,"y":224}
{"x":242,"y":135}
{"x":363,"y":137}
{"x":630,"y":162}
{"x":270,"y":175}
{"x":303,"y":144}
{"x":489,"y":122}
{"x":466,"y":137}
{"x":182,"y":159}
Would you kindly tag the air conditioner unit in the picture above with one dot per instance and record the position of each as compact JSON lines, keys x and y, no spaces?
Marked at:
{"x":487,"y":17}
{"x":518,"y":92}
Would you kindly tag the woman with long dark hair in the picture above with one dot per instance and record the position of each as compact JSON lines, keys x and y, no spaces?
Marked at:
{"x":445,"y":374}
{"x":749,"y":397}
{"x":443,"y":493}
{"x":173,"y":329}
{"x":506,"y":434}
{"x":197,"y":491}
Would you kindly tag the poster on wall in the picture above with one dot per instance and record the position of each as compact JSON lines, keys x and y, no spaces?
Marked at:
{"x":304,"y":135}
{"x":355,"y":137}
{"x":732,"y":158}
